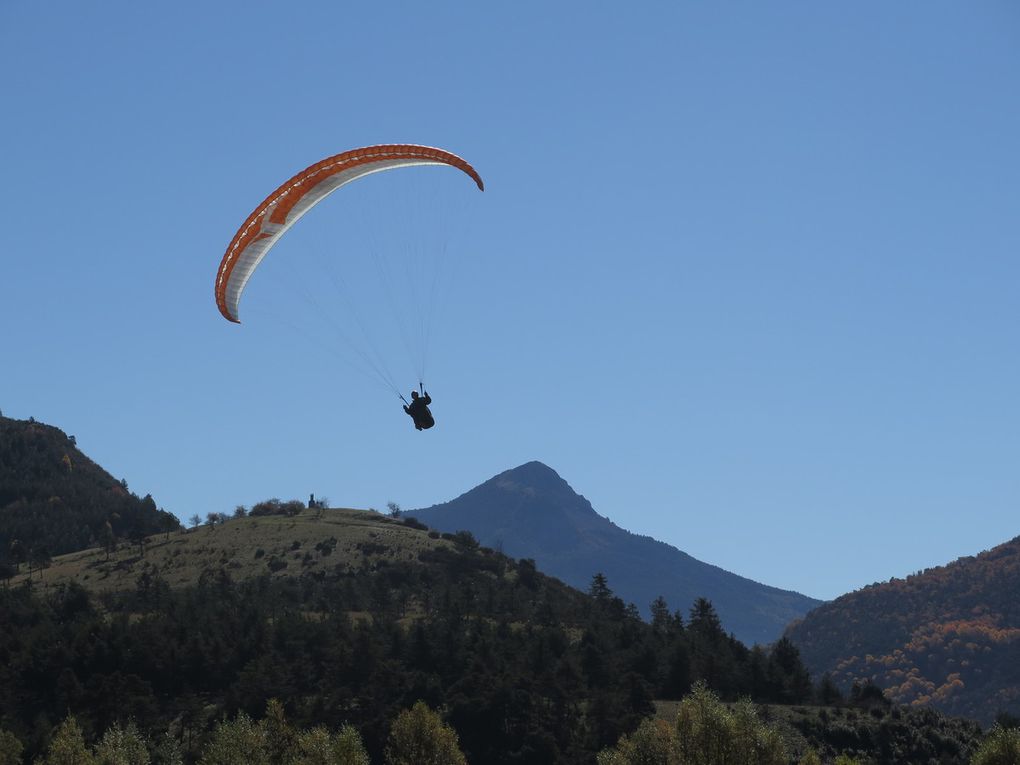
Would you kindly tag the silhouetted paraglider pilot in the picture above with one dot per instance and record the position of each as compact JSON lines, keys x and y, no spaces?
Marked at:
{"x":418,"y":410}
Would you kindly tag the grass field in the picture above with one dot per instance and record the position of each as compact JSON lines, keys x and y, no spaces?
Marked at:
{"x":246,"y":547}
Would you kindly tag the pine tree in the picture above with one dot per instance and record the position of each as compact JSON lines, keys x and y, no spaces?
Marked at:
{"x":704,"y":620}
{"x":660,"y":616}
{"x":828,"y":692}
{"x":599,"y":588}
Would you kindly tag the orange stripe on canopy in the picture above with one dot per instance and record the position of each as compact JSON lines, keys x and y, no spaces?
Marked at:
{"x":282,"y":209}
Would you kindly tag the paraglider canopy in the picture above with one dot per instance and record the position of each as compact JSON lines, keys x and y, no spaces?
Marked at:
{"x":285,"y":206}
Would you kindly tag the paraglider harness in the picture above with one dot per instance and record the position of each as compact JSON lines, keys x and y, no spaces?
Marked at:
{"x":418,"y":409}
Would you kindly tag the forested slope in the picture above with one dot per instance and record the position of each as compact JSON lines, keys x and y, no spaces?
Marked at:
{"x":54,"y":499}
{"x":362,"y":621}
{"x":948,"y":636}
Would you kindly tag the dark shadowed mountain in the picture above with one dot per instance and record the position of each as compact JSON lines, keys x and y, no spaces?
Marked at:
{"x":947,"y":636}
{"x":530,"y":512}
{"x":55,"y":500}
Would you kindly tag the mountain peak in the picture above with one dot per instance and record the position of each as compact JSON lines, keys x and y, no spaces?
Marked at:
{"x":530,"y":479}
{"x":534,"y":470}
{"x":531,"y":512}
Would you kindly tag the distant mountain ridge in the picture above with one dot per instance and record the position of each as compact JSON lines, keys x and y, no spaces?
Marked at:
{"x":949,"y":636}
{"x":531,"y":512}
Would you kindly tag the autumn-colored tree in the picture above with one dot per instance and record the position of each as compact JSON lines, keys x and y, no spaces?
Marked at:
{"x":755,"y":742}
{"x":237,"y":741}
{"x":168,"y":750}
{"x":122,"y":746}
{"x":68,"y":747}
{"x":420,"y":737}
{"x":1000,"y":747}
{"x":703,"y":728}
{"x":348,"y":747}
{"x":318,"y":747}
{"x":707,"y":732}
{"x":279,"y":736}
{"x":313,"y":747}
{"x":273,"y":741}
{"x":654,"y":743}
{"x":10,"y":748}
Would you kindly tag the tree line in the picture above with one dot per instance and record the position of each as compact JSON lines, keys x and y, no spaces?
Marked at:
{"x":704,"y":731}
{"x":526,"y":668}
{"x":418,"y":735}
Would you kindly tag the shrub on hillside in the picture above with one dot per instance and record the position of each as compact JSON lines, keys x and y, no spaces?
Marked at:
{"x":277,"y":507}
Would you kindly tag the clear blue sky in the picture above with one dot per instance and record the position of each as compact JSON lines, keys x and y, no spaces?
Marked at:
{"x":747,"y":275}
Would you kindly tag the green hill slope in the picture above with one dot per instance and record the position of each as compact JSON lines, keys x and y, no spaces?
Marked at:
{"x":367,"y":616}
{"x":272,"y":545}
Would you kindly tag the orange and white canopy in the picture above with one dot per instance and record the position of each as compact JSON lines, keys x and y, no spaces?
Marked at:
{"x":285,"y":206}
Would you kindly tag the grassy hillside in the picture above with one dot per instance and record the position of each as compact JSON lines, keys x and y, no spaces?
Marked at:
{"x":277,"y":545}
{"x":343,"y":615}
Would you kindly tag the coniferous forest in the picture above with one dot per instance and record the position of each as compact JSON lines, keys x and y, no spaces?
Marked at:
{"x":525,"y":667}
